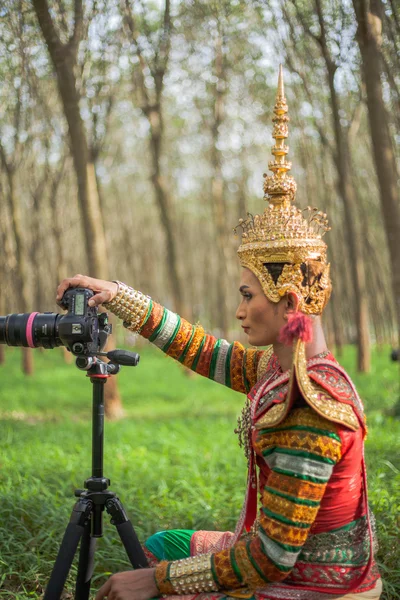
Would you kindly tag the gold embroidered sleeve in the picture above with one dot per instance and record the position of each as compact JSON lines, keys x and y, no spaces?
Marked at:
{"x":187,"y":576}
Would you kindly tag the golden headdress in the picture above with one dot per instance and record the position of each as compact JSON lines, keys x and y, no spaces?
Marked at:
{"x":284,"y":234}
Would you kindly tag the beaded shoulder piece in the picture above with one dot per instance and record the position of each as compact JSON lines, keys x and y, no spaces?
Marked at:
{"x":328,"y":389}
{"x":323,"y":384}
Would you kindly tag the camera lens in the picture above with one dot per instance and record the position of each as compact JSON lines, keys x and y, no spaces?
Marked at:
{"x":30,"y":330}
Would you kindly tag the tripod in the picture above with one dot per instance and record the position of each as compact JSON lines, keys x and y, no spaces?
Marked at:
{"x":85,"y":524}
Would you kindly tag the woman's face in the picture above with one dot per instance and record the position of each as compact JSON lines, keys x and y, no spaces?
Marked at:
{"x":260,"y":318}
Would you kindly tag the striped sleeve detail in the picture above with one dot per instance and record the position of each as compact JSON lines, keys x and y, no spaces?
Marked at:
{"x":182,"y":357}
{"x":172,"y":337}
{"x":301,"y":454}
{"x":298,"y":466}
{"x":193,"y":348}
{"x":220,"y":366}
{"x":214,"y":357}
{"x":277,"y":552}
{"x":223,"y":571}
{"x":199,"y":353}
{"x":228,"y":364}
{"x":181,"y":340}
{"x":203,"y":364}
{"x":167,"y":330}
{"x":153,"y":320}
{"x":237,"y":365}
{"x":160,"y":326}
{"x":251,"y":360}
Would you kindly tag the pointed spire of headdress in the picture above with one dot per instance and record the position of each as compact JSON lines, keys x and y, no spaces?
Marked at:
{"x":282,"y":234}
{"x":281,"y":91}
{"x":280,"y":188}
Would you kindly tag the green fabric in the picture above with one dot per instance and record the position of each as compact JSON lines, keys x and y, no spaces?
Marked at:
{"x":235,"y":566}
{"x":183,"y":355}
{"x":173,"y":336}
{"x":198,"y":354}
{"x":214,"y":357}
{"x":228,"y":366}
{"x":159,"y":327}
{"x":170,"y":545}
{"x":292,"y":498}
{"x":149,"y":311}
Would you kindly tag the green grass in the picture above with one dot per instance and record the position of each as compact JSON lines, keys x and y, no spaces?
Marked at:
{"x":173,"y":460}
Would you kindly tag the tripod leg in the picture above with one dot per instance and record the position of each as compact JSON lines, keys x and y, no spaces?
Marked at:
{"x":127,"y":534}
{"x":86,"y":564}
{"x":73,"y":533}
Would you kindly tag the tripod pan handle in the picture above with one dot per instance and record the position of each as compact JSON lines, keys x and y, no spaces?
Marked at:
{"x":124,"y":357}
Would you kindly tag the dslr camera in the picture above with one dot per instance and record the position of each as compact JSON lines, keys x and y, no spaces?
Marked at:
{"x":81,"y":330}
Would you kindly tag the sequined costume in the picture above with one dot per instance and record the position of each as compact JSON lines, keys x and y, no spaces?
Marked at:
{"x":310,"y":536}
{"x":313,"y":532}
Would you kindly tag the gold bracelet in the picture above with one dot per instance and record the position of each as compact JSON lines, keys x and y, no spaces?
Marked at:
{"x":187,"y":576}
{"x":129,"y":305}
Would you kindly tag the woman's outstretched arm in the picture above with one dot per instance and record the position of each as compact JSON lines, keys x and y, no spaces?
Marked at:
{"x":230,"y":364}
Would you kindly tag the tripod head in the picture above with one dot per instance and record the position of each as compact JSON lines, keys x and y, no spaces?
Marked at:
{"x":117,"y":358}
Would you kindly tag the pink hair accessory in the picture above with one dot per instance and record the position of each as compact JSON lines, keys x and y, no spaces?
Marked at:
{"x":299,"y":326}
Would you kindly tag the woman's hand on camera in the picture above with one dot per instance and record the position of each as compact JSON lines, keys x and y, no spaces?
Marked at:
{"x":104,"y":291}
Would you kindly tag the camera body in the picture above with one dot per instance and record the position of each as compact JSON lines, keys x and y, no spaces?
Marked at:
{"x":81,"y":330}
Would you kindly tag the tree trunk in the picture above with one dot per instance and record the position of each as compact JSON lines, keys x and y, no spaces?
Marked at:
{"x":4,"y":265}
{"x":2,"y":308}
{"x":112,"y":398}
{"x":347,"y":192}
{"x":165,"y":209}
{"x":57,"y":231}
{"x":355,"y":244}
{"x":63,"y":57}
{"x":151,"y":106}
{"x":242,"y":192}
{"x":164,"y":205}
{"x":21,"y":260}
{"x":342,"y":160}
{"x":369,"y":37}
{"x":218,"y":193}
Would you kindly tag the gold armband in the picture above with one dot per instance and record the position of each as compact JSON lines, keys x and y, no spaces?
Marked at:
{"x":186,"y":576}
{"x":129,"y":305}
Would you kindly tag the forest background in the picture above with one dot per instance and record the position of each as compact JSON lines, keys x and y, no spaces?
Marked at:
{"x":134,"y":135}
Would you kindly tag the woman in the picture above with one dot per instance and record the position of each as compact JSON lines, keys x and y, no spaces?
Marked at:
{"x":302,"y":427}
